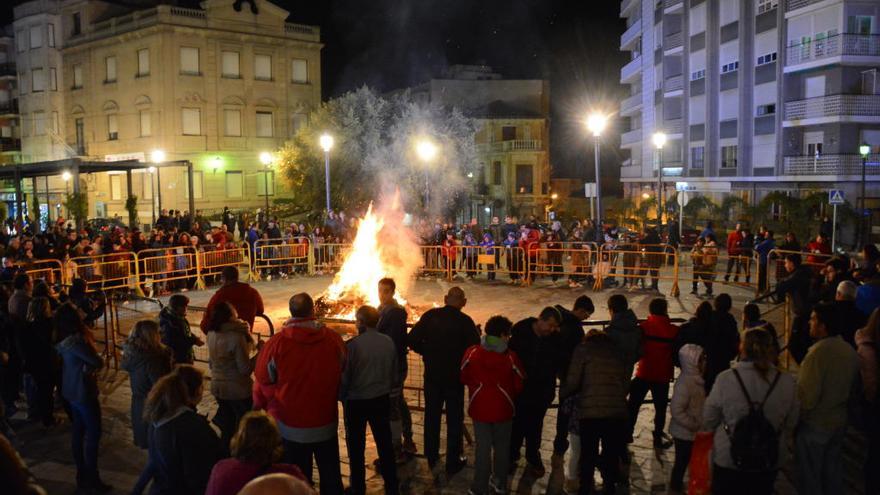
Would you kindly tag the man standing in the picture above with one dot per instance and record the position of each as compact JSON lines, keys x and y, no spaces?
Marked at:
{"x":797,"y":285}
{"x":849,"y":318}
{"x":441,"y":336}
{"x":571,"y":332}
{"x":297,"y":378}
{"x":245,"y":299}
{"x":540,"y":348}
{"x":734,"y":242}
{"x":392,"y":322}
{"x":825,"y":380}
{"x":369,"y":375}
{"x":624,"y":331}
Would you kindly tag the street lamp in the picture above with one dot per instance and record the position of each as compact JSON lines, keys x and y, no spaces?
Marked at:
{"x":864,"y":150}
{"x":427,"y":151}
{"x":596,"y":123}
{"x":65,"y":176}
{"x":158,"y":157}
{"x":152,"y":170}
{"x":326,"y":142}
{"x":659,"y":140}
{"x":266,"y":160}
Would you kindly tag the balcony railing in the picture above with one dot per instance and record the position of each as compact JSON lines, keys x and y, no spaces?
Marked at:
{"x":673,"y":83}
{"x":671,"y":126}
{"x":858,"y":45}
{"x":831,"y":165}
{"x":627,"y":4}
{"x":631,"y":137}
{"x":10,"y":144}
{"x":798,"y":4}
{"x":9,"y":107}
{"x":631,"y":34}
{"x":833,"y":106}
{"x":631,"y":69}
{"x":630,"y":104}
{"x":668,"y":4}
{"x":7,"y":69}
{"x":674,"y":40}
{"x":516,"y":145}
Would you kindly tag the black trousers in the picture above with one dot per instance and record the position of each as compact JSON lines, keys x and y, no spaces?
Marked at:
{"x":528,"y":424}
{"x":229,"y":413}
{"x":326,"y":456}
{"x":638,"y":390}
{"x":436,"y":396}
{"x":610,"y":433}
{"x":560,"y":443}
{"x":800,"y":341}
{"x":683,"y":449}
{"x":376,"y":413}
{"x":732,"y":482}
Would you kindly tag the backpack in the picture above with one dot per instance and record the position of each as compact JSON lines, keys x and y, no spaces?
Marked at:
{"x":754,"y":442}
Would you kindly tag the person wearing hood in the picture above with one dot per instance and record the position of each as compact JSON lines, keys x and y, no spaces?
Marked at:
{"x":688,"y":398}
{"x":79,"y":387}
{"x":538,"y":344}
{"x":599,"y":377}
{"x":176,"y":333}
{"x":571,"y":332}
{"x":229,"y":351}
{"x":296,"y":380}
{"x":183,"y":446}
{"x":624,"y":331}
{"x":494,"y":377}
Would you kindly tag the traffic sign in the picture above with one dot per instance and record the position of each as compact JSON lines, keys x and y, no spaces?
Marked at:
{"x":835,"y":197}
{"x":590,"y":189}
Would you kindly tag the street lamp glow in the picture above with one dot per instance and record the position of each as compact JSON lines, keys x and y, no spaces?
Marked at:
{"x":266,"y":158}
{"x":554,"y":196}
{"x":65,"y":176}
{"x":645,"y":195}
{"x":470,"y":175}
{"x":151,"y":170}
{"x":659,"y":140}
{"x":326,"y":142}
{"x":426,"y":150}
{"x":157,"y":156}
{"x":596,"y":123}
{"x":487,"y":209}
{"x":864,"y":150}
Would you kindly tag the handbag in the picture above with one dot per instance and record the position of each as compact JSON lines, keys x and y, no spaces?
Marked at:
{"x":700,"y":465}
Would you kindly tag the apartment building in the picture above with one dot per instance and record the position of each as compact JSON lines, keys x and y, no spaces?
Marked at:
{"x":10,"y":142}
{"x":216,"y":86}
{"x":753,"y":95}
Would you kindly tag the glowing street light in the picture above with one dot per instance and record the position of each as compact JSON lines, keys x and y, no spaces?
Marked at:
{"x":427,"y":151}
{"x":266,"y":159}
{"x":66,"y":176}
{"x":157,"y":156}
{"x":326,"y":142}
{"x":659,"y":140}
{"x":554,"y":196}
{"x":596,"y":123}
{"x":864,"y":150}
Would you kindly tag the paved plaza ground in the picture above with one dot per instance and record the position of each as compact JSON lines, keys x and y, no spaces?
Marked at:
{"x":47,"y":451}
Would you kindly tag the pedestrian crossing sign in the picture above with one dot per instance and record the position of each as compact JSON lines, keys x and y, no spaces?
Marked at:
{"x":835,"y":197}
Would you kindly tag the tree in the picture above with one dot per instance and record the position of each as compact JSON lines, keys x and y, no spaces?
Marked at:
{"x":131,"y":206}
{"x":77,"y":205}
{"x":374,"y":154}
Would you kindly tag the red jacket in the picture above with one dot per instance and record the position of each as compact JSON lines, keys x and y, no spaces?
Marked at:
{"x":733,"y":243}
{"x":245,"y":299}
{"x":658,"y":341}
{"x":494,"y":380}
{"x":297,"y":378}
{"x":820,"y":248}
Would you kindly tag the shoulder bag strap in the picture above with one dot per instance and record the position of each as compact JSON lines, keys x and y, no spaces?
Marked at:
{"x":742,"y":386}
{"x":769,"y":390}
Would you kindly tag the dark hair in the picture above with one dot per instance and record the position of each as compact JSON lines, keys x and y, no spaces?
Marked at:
{"x":871,"y":252}
{"x":178,"y":301}
{"x":723,"y":302}
{"x":69,"y":322}
{"x":550,"y":312}
{"x":389,"y":282}
{"x":301,"y":305}
{"x":795,"y":259}
{"x":220,"y":314}
{"x":41,"y":289}
{"x":172,"y":391}
{"x":257,"y":439}
{"x":826,"y":313}
{"x":21,"y":280}
{"x":368,"y":314}
{"x":585,"y":303}
{"x":751,"y":312}
{"x":838,"y":264}
{"x":229,"y":274}
{"x":498,"y":325}
{"x":704,"y":311}
{"x":658,"y":306}
{"x":618,"y":303}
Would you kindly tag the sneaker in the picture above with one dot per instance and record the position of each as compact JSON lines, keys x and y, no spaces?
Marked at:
{"x":409,"y":446}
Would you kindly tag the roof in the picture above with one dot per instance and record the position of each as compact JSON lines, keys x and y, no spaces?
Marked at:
{"x":57,"y":167}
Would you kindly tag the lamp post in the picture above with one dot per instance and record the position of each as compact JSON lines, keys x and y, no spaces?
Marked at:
{"x":65,"y":176}
{"x":864,"y":150}
{"x":659,"y":140}
{"x":266,"y":160}
{"x":596,"y":123}
{"x":152,"y":170}
{"x":427,"y":151}
{"x":326,"y":142}
{"x":158,"y":157}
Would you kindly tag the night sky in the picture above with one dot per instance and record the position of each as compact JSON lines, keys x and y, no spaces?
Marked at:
{"x":389,"y":44}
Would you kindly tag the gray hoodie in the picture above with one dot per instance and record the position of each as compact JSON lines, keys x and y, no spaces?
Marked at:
{"x":688,"y":395}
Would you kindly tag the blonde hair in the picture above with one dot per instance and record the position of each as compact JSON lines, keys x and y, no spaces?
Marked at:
{"x":257,"y":439}
{"x":145,"y":336}
{"x":39,"y":309}
{"x":757,"y":347}
{"x":173,"y":391}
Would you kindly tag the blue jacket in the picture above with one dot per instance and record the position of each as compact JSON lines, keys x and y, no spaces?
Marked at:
{"x":868,"y":297}
{"x":80,"y":363}
{"x":763,"y":249}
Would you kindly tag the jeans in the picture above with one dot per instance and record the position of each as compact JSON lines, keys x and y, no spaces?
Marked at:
{"x":638,"y":389}
{"x":436,"y":395}
{"x":610,"y":433}
{"x":800,"y":340}
{"x":144,"y":479}
{"x":819,"y":460}
{"x":229,"y":413}
{"x":400,"y":417}
{"x":528,"y":424}
{"x":326,"y":456}
{"x":683,"y":450}
{"x":85,"y":433}
{"x":572,"y":467}
{"x":491,"y":438}
{"x":733,"y":482}
{"x":358,"y":413}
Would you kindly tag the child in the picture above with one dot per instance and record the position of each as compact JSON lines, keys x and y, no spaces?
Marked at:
{"x":688,"y":397}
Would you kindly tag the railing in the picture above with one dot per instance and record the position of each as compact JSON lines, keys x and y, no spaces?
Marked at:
{"x":831,"y":165}
{"x":631,"y":103}
{"x":291,"y":28}
{"x":515,"y":145}
{"x":7,"y":69}
{"x":798,"y":4}
{"x":672,"y":126}
{"x":832,"y":106}
{"x":10,"y":144}
{"x":9,"y":106}
{"x":674,"y":40}
{"x":631,"y":69}
{"x":191,"y":13}
{"x":631,"y":137}
{"x":631,"y":34}
{"x":674,"y":83}
{"x":668,"y":4}
{"x":859,"y":45}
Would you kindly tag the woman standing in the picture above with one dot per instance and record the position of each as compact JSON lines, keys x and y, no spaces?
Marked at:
{"x":867,"y":340}
{"x":79,"y":387}
{"x":36,"y":344}
{"x":229,"y":348}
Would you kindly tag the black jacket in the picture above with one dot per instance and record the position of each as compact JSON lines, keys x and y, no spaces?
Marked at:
{"x":848,"y":319}
{"x":144,"y":369}
{"x":572,"y":334}
{"x":183,"y":450}
{"x":35,"y":343}
{"x":392,"y":322}
{"x":598,"y":376}
{"x":798,"y":285}
{"x":177,"y":336}
{"x":542,"y":358}
{"x":441,"y":336}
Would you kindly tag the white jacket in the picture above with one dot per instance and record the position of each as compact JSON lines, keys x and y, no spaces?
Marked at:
{"x":688,"y":395}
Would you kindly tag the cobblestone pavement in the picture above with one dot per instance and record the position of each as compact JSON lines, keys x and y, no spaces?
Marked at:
{"x":47,"y":451}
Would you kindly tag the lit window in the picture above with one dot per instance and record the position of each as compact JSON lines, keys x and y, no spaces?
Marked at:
{"x":143,"y":62}
{"x":264,"y":124}
{"x":728,"y":156}
{"x":189,"y":61}
{"x":112,"y":127}
{"x":232,"y":122}
{"x":110,"y":69}
{"x":299,"y":70}
{"x":230,"y":65}
{"x":263,"y":67}
{"x":192,"y":122}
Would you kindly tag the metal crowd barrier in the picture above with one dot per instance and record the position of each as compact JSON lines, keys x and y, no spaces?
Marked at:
{"x":166,"y":268}
{"x":636,"y":263}
{"x":50,"y":271}
{"x":104,"y":271}
{"x":211,"y":263}
{"x":489,"y":261}
{"x":281,"y":256}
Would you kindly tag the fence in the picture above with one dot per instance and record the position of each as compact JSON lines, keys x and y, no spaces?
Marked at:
{"x":163,"y":269}
{"x":574,"y":260}
{"x":489,"y":261}
{"x":281,"y":257}
{"x":104,"y":272}
{"x":634,"y":263}
{"x":209,"y":264}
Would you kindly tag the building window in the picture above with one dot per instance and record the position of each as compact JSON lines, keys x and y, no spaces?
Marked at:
{"x":234,"y":185}
{"x":143,"y":62}
{"x":497,"y":174}
{"x":36,"y":36}
{"x":53,"y":79}
{"x":77,"y":76}
{"x":767,"y":109}
{"x":52,"y":35}
{"x":192,"y":121}
{"x":264,"y":124}
{"x":198,"y":187}
{"x":112,"y":127}
{"x":80,"y":128}
{"x":860,"y":24}
{"x":38,"y":80}
{"x":109,"y":70}
{"x":230,"y":65}
{"x":77,"y":23}
{"x":39,"y":123}
{"x":525,"y":180}
{"x":698,"y":74}
{"x":56,"y":125}
{"x":189,"y":61}
{"x":731,"y":67}
{"x":232,"y":122}
{"x":728,"y":156}
{"x":146,"y":123}
{"x":20,"y":41}
{"x":299,"y":70}
{"x":263,"y":67}
{"x":697,"y":157}
{"x":298,"y":121}
{"x":264,"y":179}
{"x":115,"y":187}
{"x":767,"y":59}
{"x":508,"y":133}
{"x":767,"y":5}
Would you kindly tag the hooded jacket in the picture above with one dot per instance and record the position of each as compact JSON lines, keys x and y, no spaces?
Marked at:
{"x":658,"y":340}
{"x":624,"y":331}
{"x":441,"y":336}
{"x":144,"y":368}
{"x":494,"y":377}
{"x":80,"y":363}
{"x":542,"y":358}
{"x":183,"y":450}
{"x":599,"y":377}
{"x":231,"y":365}
{"x":297,"y":379}
{"x":177,"y":336}
{"x":688,"y":395}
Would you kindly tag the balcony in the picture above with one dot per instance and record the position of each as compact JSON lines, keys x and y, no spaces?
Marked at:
{"x":630,"y":72}
{"x":673,"y":41}
{"x":840,"y":48}
{"x":833,"y":108}
{"x":628,"y":170}
{"x":626,"y":7}
{"x":630,"y":138}
{"x":670,"y":6}
{"x":674,"y":83}
{"x":799,"y":4}
{"x":630,"y":37}
{"x":508,"y":146}
{"x":7,"y":69}
{"x":9,"y":108}
{"x":631,"y":105}
{"x":831,"y":165}
{"x":8,"y":144}
{"x":671,"y":127}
